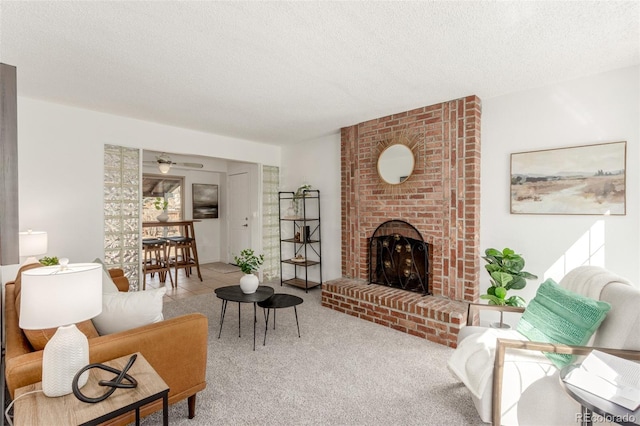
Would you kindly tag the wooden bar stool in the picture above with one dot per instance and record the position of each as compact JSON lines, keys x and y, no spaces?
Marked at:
{"x":155,"y":260}
{"x":185,"y":255}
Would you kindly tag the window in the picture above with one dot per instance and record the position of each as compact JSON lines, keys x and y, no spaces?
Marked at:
{"x":161,"y":188}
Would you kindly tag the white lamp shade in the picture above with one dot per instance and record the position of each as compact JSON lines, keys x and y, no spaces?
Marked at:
{"x":52,"y":297}
{"x":33,"y":243}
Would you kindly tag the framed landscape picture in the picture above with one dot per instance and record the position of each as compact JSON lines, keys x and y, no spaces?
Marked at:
{"x":205,"y":201}
{"x":588,"y":179}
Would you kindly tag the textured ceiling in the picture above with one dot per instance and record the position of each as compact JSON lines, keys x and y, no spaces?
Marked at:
{"x":281,"y":72}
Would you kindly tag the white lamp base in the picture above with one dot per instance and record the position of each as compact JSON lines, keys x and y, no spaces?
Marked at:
{"x":64,"y":355}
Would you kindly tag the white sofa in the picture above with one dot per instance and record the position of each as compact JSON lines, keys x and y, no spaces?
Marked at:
{"x":515,"y":382}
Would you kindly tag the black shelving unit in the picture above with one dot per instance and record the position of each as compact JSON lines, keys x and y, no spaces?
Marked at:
{"x":299,"y":219}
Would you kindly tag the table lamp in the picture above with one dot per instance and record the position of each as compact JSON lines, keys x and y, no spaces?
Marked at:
{"x":61,"y":296}
{"x":32,"y":244}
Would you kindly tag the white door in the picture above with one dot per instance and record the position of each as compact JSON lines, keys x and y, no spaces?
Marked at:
{"x":239,"y":214}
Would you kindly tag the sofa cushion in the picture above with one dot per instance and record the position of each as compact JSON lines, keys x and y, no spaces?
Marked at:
{"x":108,"y":286}
{"x":472,"y":360}
{"x":39,"y":338}
{"x":558,"y":315}
{"x":124,"y":311}
{"x":101,"y":263}
{"x":18,"y":280}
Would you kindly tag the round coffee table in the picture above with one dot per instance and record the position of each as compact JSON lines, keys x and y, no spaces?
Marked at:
{"x":279,"y":301}
{"x":233,"y":293}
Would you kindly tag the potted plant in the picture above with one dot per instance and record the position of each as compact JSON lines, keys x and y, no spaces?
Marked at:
{"x":161,"y":204}
{"x":297,"y":197}
{"x":249,"y":262}
{"x":49,"y":261}
{"x":506,"y":271}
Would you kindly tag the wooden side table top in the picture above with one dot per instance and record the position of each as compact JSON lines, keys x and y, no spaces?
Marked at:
{"x":38,"y":409}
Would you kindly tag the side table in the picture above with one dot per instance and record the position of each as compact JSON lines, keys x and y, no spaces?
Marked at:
{"x":37,"y":409}
{"x":279,"y":301}
{"x":591,"y":404}
{"x":233,"y":293}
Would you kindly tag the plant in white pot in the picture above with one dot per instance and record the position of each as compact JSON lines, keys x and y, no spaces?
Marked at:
{"x":161,"y":204}
{"x":249,"y":262}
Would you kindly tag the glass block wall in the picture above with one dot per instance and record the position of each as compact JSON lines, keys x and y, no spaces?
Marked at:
{"x":121,"y":210}
{"x":270,"y":228}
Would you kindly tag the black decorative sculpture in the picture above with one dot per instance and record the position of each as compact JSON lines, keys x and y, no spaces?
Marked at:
{"x":113,"y":384}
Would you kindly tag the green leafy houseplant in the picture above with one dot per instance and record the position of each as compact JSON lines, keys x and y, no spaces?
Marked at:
{"x":160,"y":203}
{"x":506,"y":271}
{"x":301,"y":189}
{"x":49,"y":261}
{"x":298,"y":196}
{"x":248,"y":261}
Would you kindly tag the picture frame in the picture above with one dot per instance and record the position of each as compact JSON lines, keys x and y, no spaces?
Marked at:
{"x":205,"y":201}
{"x":578,"y":180}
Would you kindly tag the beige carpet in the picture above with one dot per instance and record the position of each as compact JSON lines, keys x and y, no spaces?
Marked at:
{"x":222,"y":268}
{"x":341,"y":371}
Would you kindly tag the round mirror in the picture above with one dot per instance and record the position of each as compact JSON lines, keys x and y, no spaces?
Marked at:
{"x":395,"y":164}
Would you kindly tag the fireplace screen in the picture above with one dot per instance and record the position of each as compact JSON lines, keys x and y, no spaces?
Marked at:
{"x":399,"y":257}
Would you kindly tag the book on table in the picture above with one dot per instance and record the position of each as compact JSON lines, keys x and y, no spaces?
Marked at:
{"x":609,"y":377}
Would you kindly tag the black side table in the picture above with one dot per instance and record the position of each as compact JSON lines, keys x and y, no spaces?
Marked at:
{"x":233,"y":293}
{"x":279,"y":301}
{"x":591,"y":403}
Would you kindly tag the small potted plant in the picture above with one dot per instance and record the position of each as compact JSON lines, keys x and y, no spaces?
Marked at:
{"x":161,"y":204}
{"x":506,"y":271}
{"x":249,"y":262}
{"x":49,"y":261}
{"x":297,"y":197}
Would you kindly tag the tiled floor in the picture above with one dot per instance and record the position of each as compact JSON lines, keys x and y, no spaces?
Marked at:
{"x":192,"y":286}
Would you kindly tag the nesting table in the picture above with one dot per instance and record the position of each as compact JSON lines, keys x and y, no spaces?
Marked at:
{"x":279,"y":301}
{"x":233,"y":293}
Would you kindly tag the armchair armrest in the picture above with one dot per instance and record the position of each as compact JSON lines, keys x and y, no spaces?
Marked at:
{"x":477,"y":307}
{"x":503,"y":344}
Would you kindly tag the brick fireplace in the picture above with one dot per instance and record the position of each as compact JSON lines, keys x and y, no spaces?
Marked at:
{"x":441,"y":199}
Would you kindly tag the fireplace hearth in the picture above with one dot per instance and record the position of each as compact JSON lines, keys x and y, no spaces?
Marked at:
{"x":399,"y":257}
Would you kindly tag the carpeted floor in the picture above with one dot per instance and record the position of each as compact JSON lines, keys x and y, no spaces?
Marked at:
{"x":342,"y":371}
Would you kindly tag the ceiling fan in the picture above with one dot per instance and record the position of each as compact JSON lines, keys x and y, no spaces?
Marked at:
{"x":164,"y":163}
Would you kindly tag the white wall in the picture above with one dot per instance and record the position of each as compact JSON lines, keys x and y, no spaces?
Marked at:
{"x":317,"y":162}
{"x":596,"y":109}
{"x":60,"y":151}
{"x":60,"y":170}
{"x":602,"y":108}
